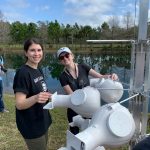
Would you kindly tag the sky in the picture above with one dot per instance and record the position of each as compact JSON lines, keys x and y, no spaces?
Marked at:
{"x":84,"y":12}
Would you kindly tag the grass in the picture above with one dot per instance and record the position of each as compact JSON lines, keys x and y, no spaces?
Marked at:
{"x":10,"y":138}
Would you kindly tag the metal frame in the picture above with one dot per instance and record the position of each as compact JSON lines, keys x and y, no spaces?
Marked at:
{"x":140,"y":67}
{"x":140,"y":73}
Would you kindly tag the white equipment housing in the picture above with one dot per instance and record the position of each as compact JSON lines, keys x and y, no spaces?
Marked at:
{"x":110,"y":124}
{"x":83,"y":101}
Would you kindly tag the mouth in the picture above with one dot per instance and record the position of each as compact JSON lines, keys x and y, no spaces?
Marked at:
{"x":37,"y":59}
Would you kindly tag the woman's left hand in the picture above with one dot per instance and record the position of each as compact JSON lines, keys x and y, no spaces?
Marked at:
{"x":114,"y":76}
{"x":43,"y":97}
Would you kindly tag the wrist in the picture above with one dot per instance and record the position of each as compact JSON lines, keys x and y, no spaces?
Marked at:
{"x":107,"y":76}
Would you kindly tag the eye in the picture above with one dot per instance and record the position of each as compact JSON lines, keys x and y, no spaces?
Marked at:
{"x":32,"y":50}
{"x":39,"y":50}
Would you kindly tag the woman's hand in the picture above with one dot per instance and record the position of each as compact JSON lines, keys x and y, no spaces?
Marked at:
{"x":43,"y":97}
{"x":114,"y":76}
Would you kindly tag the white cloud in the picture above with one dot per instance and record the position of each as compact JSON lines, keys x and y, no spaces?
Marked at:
{"x":17,"y":4}
{"x":85,"y":6}
{"x":42,"y":8}
{"x":12,"y":16}
{"x":91,"y":12}
{"x":95,"y":12}
{"x":84,"y":12}
{"x":20,"y":10}
{"x":13,"y":8}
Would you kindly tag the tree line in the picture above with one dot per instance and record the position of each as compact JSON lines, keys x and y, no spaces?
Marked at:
{"x":54,"y":32}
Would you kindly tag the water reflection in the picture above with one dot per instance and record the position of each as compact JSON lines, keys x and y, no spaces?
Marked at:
{"x":104,"y":63}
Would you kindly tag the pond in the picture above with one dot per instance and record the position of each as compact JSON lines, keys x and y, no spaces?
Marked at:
{"x":101,"y":62}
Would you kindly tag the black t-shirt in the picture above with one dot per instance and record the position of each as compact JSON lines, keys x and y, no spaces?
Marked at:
{"x":34,"y":121}
{"x":80,"y":82}
{"x":143,"y":145}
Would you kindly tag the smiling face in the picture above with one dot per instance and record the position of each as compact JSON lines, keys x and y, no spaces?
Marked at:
{"x":66,"y":59}
{"x":34,"y":54}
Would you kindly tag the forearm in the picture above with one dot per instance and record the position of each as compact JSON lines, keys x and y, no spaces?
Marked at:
{"x":95,"y":74}
{"x":106,"y":76}
{"x":67,"y":89}
{"x":26,"y":102}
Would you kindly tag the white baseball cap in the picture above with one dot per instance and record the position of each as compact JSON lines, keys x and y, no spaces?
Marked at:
{"x":63,"y":49}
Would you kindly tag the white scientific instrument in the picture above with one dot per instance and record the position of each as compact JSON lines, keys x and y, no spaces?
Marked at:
{"x":108,"y":125}
{"x":112,"y":124}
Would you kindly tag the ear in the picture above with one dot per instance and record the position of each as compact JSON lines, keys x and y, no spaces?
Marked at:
{"x":72,"y":55}
{"x":25,"y":53}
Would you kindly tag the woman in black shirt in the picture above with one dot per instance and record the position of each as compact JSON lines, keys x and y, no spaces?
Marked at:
{"x":31,"y":94}
{"x":75,"y":76}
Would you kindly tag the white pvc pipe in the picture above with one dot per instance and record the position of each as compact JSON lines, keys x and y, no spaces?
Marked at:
{"x":109,"y":41}
{"x":129,"y":98}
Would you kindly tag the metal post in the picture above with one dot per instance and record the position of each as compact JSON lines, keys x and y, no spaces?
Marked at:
{"x":140,"y":77}
{"x":140,"y":73}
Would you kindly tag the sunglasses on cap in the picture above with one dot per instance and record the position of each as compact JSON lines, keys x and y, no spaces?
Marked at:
{"x":64,"y":56}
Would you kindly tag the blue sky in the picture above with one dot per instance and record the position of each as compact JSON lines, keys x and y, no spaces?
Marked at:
{"x":84,"y":12}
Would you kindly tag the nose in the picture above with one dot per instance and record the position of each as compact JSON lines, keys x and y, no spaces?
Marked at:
{"x":36,"y":52}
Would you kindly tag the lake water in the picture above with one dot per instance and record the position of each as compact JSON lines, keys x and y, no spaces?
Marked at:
{"x":104,"y":63}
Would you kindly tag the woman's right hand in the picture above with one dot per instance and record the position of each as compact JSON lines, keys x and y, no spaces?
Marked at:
{"x":114,"y":76}
{"x":43,"y":97}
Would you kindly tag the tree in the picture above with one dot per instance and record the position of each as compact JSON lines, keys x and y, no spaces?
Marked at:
{"x":113,"y":22}
{"x":43,"y":30}
{"x":105,"y":26}
{"x":4,"y":32}
{"x":87,"y":32}
{"x":67,"y":32}
{"x":128,"y":20}
{"x":98,"y":33}
{"x":114,"y":25}
{"x":54,"y":31}
{"x":32,"y":30}
{"x":1,"y":16}
{"x":18,"y":32}
{"x":4,"y":29}
{"x":105,"y":31}
{"x":76,"y":30}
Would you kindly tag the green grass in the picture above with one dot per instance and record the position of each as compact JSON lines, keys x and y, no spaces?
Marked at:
{"x":10,"y":138}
